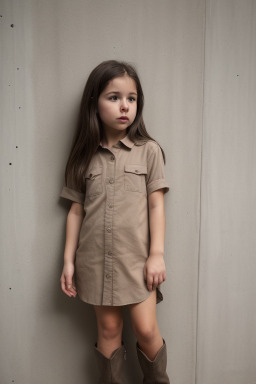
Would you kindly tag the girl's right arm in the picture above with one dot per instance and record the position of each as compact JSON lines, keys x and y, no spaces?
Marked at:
{"x":73,"y":226}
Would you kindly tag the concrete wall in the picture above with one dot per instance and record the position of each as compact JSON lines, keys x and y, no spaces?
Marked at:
{"x":196,"y":61}
{"x":227,"y":264}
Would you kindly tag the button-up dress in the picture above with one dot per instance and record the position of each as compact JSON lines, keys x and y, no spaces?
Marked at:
{"x":114,"y":239}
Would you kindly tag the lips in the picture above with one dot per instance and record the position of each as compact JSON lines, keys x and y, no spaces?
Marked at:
{"x":123,"y":118}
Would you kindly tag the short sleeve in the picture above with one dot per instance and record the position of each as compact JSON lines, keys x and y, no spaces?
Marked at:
{"x":68,"y":192}
{"x":155,"y":175}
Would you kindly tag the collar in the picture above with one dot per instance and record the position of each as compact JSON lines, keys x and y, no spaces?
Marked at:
{"x":126,"y":141}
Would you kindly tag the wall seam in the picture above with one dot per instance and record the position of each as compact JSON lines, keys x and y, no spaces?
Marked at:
{"x":200,"y":194}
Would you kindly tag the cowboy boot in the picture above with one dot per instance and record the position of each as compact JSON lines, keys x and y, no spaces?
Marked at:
{"x":154,"y":371}
{"x":111,"y":369}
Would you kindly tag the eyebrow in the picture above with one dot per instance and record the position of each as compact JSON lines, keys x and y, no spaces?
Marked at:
{"x":118,"y":93}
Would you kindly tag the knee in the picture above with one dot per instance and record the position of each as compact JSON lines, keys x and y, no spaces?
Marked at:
{"x":146,"y":332}
{"x":111,"y":328}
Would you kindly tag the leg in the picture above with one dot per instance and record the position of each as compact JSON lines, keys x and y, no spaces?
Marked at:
{"x":110,"y":327}
{"x":109,"y":349}
{"x":145,"y":327}
{"x":151,"y":347}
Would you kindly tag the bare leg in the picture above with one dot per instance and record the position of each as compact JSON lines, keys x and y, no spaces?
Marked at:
{"x":110,"y":326}
{"x":145,"y":327}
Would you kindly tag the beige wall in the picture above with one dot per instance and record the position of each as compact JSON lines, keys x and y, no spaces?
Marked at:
{"x":227,"y":264}
{"x":196,"y":61}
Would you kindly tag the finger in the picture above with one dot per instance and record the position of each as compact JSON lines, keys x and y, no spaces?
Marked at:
{"x":65,"y":287}
{"x":155,"y":282}
{"x":150,"y":282}
{"x":62,"y":283}
{"x":70,"y":287}
{"x":70,"y":293}
{"x":160,"y":279}
{"x":68,"y":283}
{"x":67,"y":292}
{"x":145,"y":273}
{"x":73,"y":291}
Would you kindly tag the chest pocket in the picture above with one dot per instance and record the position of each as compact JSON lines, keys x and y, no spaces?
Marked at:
{"x":134,"y":177}
{"x":93,"y":180}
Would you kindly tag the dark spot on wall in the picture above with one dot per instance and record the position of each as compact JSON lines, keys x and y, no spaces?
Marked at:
{"x":10,"y":288}
{"x":17,"y":69}
{"x":12,"y":25}
{"x":19,"y":107}
{"x":10,"y":163}
{"x":237,"y":75}
{"x":16,"y":146}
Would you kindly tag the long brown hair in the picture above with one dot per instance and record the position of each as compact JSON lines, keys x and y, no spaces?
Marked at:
{"x":89,"y":128}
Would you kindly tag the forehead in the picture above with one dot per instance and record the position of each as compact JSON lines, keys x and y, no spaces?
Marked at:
{"x":121,"y":84}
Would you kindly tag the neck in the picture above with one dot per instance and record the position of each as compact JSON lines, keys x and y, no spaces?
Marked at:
{"x":109,"y":139}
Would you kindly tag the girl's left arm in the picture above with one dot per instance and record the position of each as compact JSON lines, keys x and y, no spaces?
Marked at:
{"x":154,"y":269}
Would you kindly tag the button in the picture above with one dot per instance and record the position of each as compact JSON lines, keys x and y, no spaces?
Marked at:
{"x":108,"y":275}
{"x":110,"y":205}
{"x":109,"y":229}
{"x":110,"y":253}
{"x":112,"y":158}
{"x":111,"y":180}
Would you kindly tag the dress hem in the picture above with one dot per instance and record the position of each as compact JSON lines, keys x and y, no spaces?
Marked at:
{"x":159,"y":298}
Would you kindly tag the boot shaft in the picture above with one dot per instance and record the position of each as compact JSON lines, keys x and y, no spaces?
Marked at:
{"x":154,"y":371}
{"x":111,"y":369}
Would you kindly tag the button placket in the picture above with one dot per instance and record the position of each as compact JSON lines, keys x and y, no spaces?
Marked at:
{"x":107,"y":298}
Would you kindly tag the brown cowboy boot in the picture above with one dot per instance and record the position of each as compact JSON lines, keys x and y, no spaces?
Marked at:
{"x":111,"y":369}
{"x":154,"y":371}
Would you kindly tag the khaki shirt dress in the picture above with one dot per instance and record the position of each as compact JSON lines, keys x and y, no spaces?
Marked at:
{"x":114,"y":239}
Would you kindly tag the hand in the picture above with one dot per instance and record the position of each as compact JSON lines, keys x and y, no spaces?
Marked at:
{"x":66,"y":280}
{"x":154,"y":271}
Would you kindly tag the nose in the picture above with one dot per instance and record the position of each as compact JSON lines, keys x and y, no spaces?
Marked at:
{"x":124,"y":105}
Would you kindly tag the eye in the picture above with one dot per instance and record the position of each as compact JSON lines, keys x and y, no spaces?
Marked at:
{"x":113,"y":98}
{"x":132,"y":98}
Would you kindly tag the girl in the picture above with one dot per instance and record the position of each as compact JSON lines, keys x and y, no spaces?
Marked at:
{"x":114,"y":251}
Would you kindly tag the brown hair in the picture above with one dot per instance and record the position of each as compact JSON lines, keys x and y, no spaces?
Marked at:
{"x":89,"y":128}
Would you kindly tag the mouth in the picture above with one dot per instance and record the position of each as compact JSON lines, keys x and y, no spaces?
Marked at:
{"x":123,"y":118}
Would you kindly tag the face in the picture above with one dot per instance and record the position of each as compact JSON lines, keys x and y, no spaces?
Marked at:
{"x":117,"y":104}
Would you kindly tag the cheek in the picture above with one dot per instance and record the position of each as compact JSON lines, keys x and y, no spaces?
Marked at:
{"x":135,"y":111}
{"x":103,"y":111}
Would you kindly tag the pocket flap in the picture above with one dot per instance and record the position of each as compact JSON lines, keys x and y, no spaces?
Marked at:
{"x":91,"y":173}
{"x":137,"y":169}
